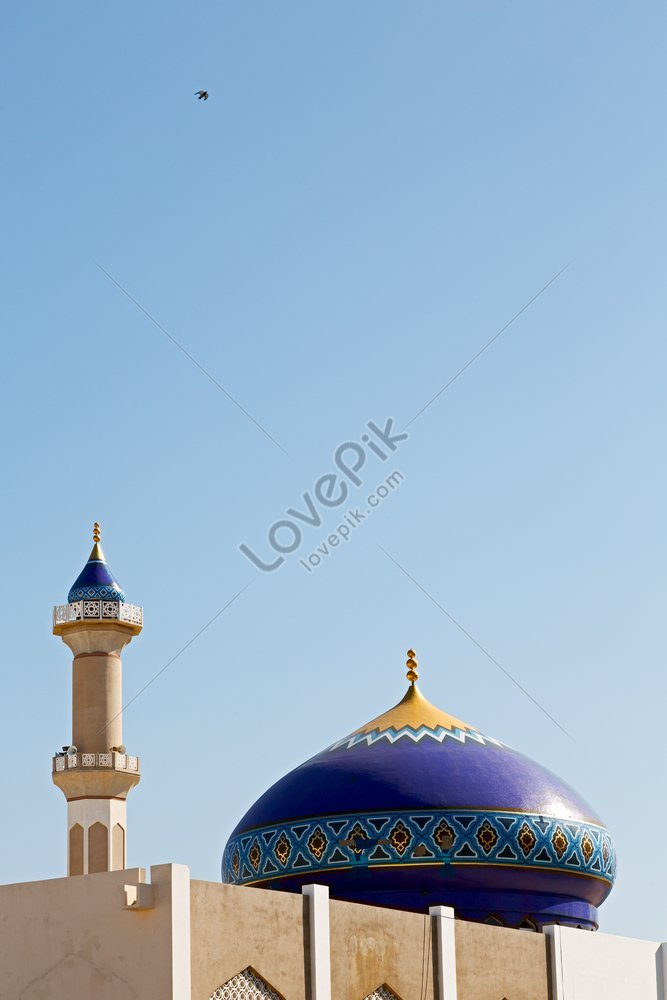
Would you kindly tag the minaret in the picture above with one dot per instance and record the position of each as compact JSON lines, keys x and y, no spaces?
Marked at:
{"x":95,"y":773}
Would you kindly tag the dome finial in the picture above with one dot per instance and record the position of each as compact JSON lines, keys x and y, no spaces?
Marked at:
{"x":412,"y":665}
{"x":95,"y":581}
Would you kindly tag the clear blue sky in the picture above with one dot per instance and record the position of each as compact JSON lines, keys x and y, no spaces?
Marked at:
{"x":372,"y":191}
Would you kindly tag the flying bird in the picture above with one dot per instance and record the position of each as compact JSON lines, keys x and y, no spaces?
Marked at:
{"x":202,"y":95}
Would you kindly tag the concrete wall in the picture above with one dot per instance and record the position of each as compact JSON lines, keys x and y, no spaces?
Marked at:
{"x":495,"y":962}
{"x":233,"y":927}
{"x":76,"y":939}
{"x":73,"y":938}
{"x":604,"y":967}
{"x":371,"y":946}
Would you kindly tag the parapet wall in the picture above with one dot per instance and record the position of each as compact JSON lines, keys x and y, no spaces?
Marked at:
{"x":235,"y":928}
{"x":114,"y":936}
{"x":495,"y":962}
{"x":75,"y":938}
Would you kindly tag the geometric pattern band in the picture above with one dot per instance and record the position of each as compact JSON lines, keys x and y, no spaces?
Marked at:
{"x":415,"y":837}
{"x":98,"y":591}
{"x":382,"y":993}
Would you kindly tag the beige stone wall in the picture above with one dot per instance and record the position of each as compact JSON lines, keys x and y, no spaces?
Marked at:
{"x":233,"y":927}
{"x":495,"y":962}
{"x":71,"y":938}
{"x":371,"y":946}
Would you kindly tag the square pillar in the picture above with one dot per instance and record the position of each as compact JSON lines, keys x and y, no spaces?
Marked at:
{"x":662,"y":972}
{"x":553,"y":935}
{"x":444,"y":930}
{"x":319,"y":940}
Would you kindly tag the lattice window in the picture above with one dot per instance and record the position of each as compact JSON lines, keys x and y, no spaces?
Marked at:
{"x":75,"y":610}
{"x":246,"y":986}
{"x":382,"y":993}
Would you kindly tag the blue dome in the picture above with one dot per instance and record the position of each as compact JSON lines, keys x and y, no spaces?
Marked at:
{"x":95,"y":580}
{"x":416,"y":809}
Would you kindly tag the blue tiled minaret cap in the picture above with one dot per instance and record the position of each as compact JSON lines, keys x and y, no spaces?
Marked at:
{"x":417,"y":808}
{"x":96,"y":581}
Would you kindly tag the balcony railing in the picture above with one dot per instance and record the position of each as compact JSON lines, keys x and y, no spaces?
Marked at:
{"x":111,"y":760}
{"x":98,"y":610}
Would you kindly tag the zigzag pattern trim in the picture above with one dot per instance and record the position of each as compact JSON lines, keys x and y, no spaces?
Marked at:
{"x":439,"y":734}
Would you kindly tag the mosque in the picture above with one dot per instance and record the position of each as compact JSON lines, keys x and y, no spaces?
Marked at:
{"x":406,"y":861}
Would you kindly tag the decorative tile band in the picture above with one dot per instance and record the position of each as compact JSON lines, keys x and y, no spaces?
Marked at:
{"x":95,"y":592}
{"x":453,"y":836}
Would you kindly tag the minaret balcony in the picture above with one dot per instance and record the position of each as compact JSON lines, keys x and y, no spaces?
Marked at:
{"x":97,"y":610}
{"x":111,"y":761}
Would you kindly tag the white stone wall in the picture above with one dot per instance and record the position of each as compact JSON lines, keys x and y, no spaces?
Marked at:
{"x":587,"y":966}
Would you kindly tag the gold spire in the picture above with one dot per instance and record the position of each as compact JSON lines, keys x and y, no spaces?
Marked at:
{"x":412,"y":665}
{"x":413,"y":711}
{"x":96,"y":555}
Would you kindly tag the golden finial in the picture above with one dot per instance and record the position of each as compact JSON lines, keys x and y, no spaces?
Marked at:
{"x":412,"y":665}
{"x":97,"y":534}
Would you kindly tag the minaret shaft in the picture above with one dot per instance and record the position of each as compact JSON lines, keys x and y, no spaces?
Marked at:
{"x":96,"y":834}
{"x":97,"y":687}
